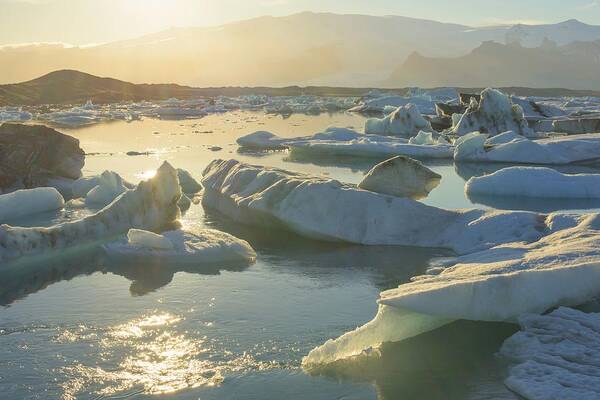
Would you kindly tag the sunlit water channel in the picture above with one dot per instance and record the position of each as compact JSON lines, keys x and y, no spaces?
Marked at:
{"x":84,"y":327}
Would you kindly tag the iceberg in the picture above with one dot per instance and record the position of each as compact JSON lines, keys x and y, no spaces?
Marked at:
{"x":501,"y":283}
{"x":110,"y":186}
{"x":25,"y":202}
{"x":556,"y":355}
{"x":422,"y":138}
{"x":493,"y":114}
{"x":152,"y":205}
{"x":476,"y":147}
{"x":193,"y":245}
{"x":424,"y":104}
{"x":535,"y":182}
{"x":401,"y":177}
{"x":327,"y":209}
{"x":405,"y":121}
{"x":189,"y":185}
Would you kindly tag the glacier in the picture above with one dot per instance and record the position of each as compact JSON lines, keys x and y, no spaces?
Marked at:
{"x":152,"y":205}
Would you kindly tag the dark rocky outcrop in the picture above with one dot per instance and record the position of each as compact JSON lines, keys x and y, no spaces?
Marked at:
{"x":30,"y":155}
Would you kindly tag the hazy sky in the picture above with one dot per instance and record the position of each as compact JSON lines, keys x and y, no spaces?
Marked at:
{"x":94,"y":21}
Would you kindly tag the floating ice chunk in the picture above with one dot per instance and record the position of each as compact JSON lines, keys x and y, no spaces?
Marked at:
{"x":29,"y":201}
{"x":557,"y":356}
{"x":535,"y":182}
{"x":189,"y":185}
{"x":82,"y":186}
{"x":152,"y":205}
{"x":537,"y":110}
{"x":551,"y":151}
{"x":190,"y":245}
{"x":327,"y":209}
{"x":494,"y":114}
{"x":110,"y":186}
{"x":577,"y":126}
{"x":262,"y":140}
{"x":406,"y":121}
{"x":498,"y":284}
{"x":423,"y":138}
{"x":401,"y":177}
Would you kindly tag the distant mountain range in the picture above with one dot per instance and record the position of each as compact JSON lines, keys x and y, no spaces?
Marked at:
{"x":301,"y":49}
{"x":74,"y":87}
{"x":575,"y":65}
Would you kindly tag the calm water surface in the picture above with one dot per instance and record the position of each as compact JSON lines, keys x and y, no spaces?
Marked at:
{"x":81,"y":327}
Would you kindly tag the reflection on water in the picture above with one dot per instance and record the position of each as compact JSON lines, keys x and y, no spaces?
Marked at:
{"x":151,"y":357}
{"x":454,"y":362}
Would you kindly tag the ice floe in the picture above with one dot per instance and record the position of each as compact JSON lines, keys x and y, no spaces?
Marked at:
{"x":493,"y":114}
{"x":557,"y":356}
{"x":405,"y":121}
{"x":346,"y":142}
{"x":401,"y":177}
{"x":29,"y":201}
{"x":182,"y":246}
{"x":501,"y":283}
{"x":535,"y":182}
{"x":152,"y":205}
{"x":512,"y":148}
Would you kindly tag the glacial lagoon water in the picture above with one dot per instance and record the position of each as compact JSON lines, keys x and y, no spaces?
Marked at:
{"x":85,"y":327}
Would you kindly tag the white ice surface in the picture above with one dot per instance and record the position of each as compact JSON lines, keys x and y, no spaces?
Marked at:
{"x":188,"y":245}
{"x":535,"y":182}
{"x":150,"y":206}
{"x":498,"y":284}
{"x":109,"y":186}
{"x":557,"y":356}
{"x":551,"y":151}
{"x":29,"y":201}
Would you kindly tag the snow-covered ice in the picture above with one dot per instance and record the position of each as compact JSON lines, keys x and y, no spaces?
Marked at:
{"x":556,"y":355}
{"x":152,"y":205}
{"x":405,"y":121}
{"x":401,"y":177}
{"x":495,"y":113}
{"x":183,"y":245}
{"x":501,"y":283}
{"x":29,"y":201}
{"x":535,"y":182}
{"x":512,"y":148}
{"x":262,"y":140}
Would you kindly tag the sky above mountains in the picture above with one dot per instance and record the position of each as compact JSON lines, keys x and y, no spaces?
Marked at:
{"x":81,"y":22}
